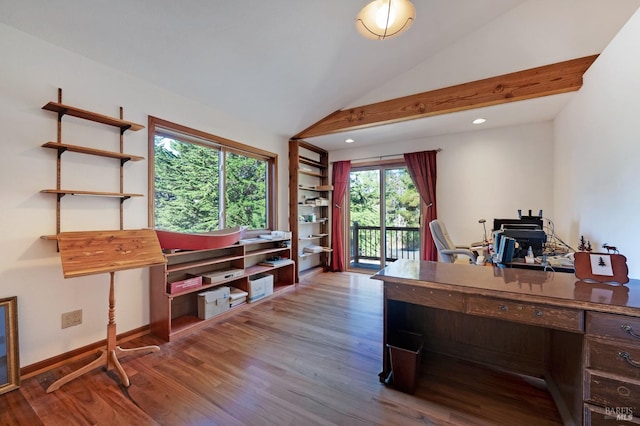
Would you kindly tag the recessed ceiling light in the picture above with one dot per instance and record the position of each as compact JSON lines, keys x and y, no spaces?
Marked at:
{"x":479,"y":120}
{"x":349,"y":140}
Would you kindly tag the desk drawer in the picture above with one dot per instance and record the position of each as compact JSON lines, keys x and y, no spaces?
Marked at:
{"x":616,"y":326}
{"x":611,"y":416}
{"x":442,"y":299}
{"x":613,"y":357}
{"x":611,"y":391}
{"x":541,"y":315}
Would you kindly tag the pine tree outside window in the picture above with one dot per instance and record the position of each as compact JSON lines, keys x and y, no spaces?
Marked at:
{"x":202,"y":183}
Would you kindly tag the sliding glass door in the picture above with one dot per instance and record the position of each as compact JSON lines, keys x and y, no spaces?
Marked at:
{"x":384,"y":214}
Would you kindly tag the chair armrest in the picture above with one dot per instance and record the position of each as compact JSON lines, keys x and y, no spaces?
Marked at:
{"x":462,"y":252}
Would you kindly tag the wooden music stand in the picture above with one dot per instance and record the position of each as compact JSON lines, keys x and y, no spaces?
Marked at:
{"x":94,"y":252}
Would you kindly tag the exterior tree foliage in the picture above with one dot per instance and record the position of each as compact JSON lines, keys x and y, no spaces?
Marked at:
{"x":187,"y":188}
{"x":364,"y":190}
{"x":402,"y":208}
{"x":246,"y":194}
{"x":402,"y":199}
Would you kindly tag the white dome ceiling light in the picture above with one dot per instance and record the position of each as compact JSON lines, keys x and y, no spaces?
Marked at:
{"x":383,"y":19}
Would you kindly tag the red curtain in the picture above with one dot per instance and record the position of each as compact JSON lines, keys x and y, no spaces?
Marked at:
{"x":340,"y":179}
{"x":422,"y":168}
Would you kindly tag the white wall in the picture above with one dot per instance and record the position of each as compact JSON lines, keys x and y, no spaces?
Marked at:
{"x":30,"y":74}
{"x":482,"y":175}
{"x":597,"y":152}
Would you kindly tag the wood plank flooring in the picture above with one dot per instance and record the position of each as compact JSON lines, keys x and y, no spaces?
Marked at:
{"x":307,"y":357}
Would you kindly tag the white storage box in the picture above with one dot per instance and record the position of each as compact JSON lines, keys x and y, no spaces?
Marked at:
{"x":212,"y":303}
{"x":260,"y":286}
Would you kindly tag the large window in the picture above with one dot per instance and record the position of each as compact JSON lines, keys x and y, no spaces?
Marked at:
{"x":201,"y":182}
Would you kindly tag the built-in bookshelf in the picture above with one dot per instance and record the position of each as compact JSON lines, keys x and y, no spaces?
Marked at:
{"x":309,"y":204}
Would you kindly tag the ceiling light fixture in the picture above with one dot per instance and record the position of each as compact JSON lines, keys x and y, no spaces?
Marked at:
{"x":479,"y":120}
{"x":349,"y":140}
{"x":382,"y":19}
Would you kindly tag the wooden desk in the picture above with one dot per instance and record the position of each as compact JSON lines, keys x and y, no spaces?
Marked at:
{"x":583,"y":339}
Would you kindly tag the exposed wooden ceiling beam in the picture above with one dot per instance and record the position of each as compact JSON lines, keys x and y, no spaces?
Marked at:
{"x":547,"y":80}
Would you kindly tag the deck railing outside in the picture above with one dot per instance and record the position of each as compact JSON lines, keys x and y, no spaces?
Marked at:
{"x":402,"y":243}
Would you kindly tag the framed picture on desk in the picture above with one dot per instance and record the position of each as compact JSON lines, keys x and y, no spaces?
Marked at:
{"x":601,"y":267}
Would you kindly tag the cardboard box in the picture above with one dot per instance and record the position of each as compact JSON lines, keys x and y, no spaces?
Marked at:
{"x":212,"y":303}
{"x":260,"y":286}
{"x":183,"y":285}
{"x":221,"y":276}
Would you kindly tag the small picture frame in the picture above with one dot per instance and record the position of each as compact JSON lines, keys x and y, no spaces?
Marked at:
{"x":9,"y":361}
{"x":601,"y":267}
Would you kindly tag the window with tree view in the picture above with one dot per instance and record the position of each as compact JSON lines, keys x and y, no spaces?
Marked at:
{"x":201,"y":184}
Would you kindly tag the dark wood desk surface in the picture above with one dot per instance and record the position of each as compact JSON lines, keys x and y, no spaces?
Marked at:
{"x":552,"y":288}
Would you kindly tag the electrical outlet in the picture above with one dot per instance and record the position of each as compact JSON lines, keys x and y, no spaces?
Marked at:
{"x":69,"y":319}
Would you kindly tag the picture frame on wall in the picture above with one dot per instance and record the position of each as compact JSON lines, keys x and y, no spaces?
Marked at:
{"x":9,"y":354}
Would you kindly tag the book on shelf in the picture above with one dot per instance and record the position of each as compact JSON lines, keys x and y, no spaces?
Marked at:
{"x":237,"y":293}
{"x":237,"y":302}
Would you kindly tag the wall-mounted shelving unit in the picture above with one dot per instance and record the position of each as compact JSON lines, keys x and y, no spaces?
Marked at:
{"x":61,"y":110}
{"x":309,"y":203}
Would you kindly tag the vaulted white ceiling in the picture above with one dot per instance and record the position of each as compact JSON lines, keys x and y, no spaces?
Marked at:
{"x":282,"y":65}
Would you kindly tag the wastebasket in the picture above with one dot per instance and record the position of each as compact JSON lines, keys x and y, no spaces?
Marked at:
{"x":405,"y":350}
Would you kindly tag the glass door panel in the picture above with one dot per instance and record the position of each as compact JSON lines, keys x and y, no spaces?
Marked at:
{"x":364,"y":219}
{"x":384,"y":212}
{"x":401,"y":216}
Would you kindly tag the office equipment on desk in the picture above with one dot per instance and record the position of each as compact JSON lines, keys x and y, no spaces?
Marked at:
{"x":527,"y":231}
{"x":504,"y":248}
{"x":535,"y":221}
{"x":534,"y":238}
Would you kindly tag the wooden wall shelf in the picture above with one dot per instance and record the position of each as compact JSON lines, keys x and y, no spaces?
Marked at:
{"x":63,"y":192}
{"x":63,"y":109}
{"x":61,"y":147}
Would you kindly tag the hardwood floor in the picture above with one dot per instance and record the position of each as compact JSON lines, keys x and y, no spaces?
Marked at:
{"x":308,"y":357}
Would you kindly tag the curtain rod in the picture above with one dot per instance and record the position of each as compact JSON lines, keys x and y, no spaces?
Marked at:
{"x":380,"y":157}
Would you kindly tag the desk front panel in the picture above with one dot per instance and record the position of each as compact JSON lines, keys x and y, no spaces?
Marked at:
{"x":614,"y":326}
{"x":452,"y":301}
{"x":528,"y":313}
{"x":611,"y":390}
{"x":504,"y":344}
{"x":613,"y":357}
